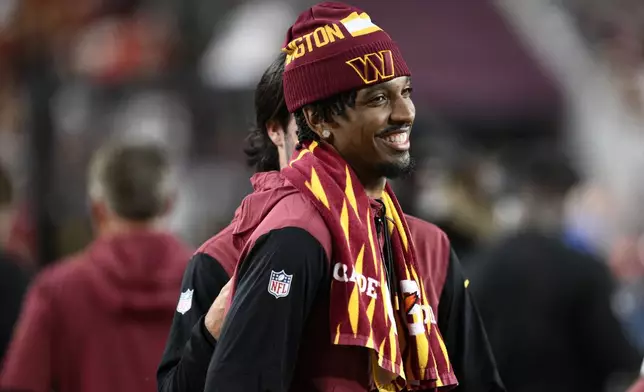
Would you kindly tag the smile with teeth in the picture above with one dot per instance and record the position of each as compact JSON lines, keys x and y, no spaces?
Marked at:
{"x":397,"y":138}
{"x":398,"y":141}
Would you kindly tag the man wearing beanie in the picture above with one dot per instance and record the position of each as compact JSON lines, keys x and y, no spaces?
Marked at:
{"x":332,"y":293}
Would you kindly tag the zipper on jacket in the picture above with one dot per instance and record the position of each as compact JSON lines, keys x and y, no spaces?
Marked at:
{"x":386,"y":253}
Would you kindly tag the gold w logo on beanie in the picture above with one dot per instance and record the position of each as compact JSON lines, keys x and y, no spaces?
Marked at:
{"x":374,"y":67}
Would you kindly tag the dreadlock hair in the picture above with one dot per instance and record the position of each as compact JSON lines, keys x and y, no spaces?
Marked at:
{"x":324,"y":109}
{"x":270,"y":105}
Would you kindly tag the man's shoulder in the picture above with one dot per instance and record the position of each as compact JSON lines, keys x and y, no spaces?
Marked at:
{"x":296,"y":208}
{"x":220,"y":247}
{"x":420,"y":223}
{"x":432,"y":250}
{"x":222,"y":237}
{"x":296,"y":211}
{"x":53,"y":280}
{"x":426,"y":232}
{"x":292,"y":210}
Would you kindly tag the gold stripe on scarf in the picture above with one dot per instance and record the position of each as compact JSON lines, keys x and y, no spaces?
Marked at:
{"x":391,"y":210}
{"x":344,"y":222}
{"x":354,"y":300}
{"x":315,"y":186}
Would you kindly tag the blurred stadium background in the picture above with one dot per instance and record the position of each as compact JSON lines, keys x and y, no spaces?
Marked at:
{"x":494,"y":80}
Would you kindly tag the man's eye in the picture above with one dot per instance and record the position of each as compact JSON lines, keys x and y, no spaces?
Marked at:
{"x":378,"y":99}
{"x":407,"y":91}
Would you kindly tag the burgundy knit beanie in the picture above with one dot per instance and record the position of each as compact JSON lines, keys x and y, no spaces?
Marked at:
{"x":334,"y":48}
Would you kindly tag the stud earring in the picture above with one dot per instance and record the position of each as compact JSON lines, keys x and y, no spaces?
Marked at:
{"x":326,"y":133}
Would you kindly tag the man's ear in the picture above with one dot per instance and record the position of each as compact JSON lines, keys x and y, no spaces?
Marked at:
{"x":314,"y":120}
{"x":317,"y":123}
{"x":275,"y":133}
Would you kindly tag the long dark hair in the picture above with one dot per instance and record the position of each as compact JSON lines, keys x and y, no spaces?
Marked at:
{"x":260,"y":151}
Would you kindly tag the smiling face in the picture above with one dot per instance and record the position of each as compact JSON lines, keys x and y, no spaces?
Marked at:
{"x":373,"y":136}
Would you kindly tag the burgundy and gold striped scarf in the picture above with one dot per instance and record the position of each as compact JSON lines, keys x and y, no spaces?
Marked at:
{"x":408,"y":350}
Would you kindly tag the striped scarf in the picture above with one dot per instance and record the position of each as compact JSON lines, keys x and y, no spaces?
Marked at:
{"x":408,"y":350}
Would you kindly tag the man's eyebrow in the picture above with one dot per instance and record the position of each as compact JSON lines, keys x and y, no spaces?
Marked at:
{"x":383,"y":85}
{"x":369,"y":89}
{"x":386,"y":84}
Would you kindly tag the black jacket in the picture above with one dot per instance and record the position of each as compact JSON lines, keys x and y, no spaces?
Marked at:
{"x":190,"y":346}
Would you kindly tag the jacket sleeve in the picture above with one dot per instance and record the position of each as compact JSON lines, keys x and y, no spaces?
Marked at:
{"x":465,"y":336}
{"x":190,"y":346}
{"x":29,"y":359}
{"x":277,"y":284}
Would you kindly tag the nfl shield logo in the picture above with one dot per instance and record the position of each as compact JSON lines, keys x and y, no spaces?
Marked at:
{"x":185,"y":301}
{"x":280,"y":284}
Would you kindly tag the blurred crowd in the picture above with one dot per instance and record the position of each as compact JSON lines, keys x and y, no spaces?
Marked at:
{"x":529,"y":147}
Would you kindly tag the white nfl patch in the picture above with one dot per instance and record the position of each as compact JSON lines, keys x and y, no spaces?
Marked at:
{"x":185,"y":301}
{"x":280,"y":284}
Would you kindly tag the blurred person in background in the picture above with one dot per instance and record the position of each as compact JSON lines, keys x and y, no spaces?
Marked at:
{"x":198,"y":318}
{"x":627,"y":264}
{"x":98,"y":320}
{"x":283,"y":284}
{"x":591,"y":222}
{"x":545,"y":303}
{"x":13,"y":279}
{"x":470,"y":219}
